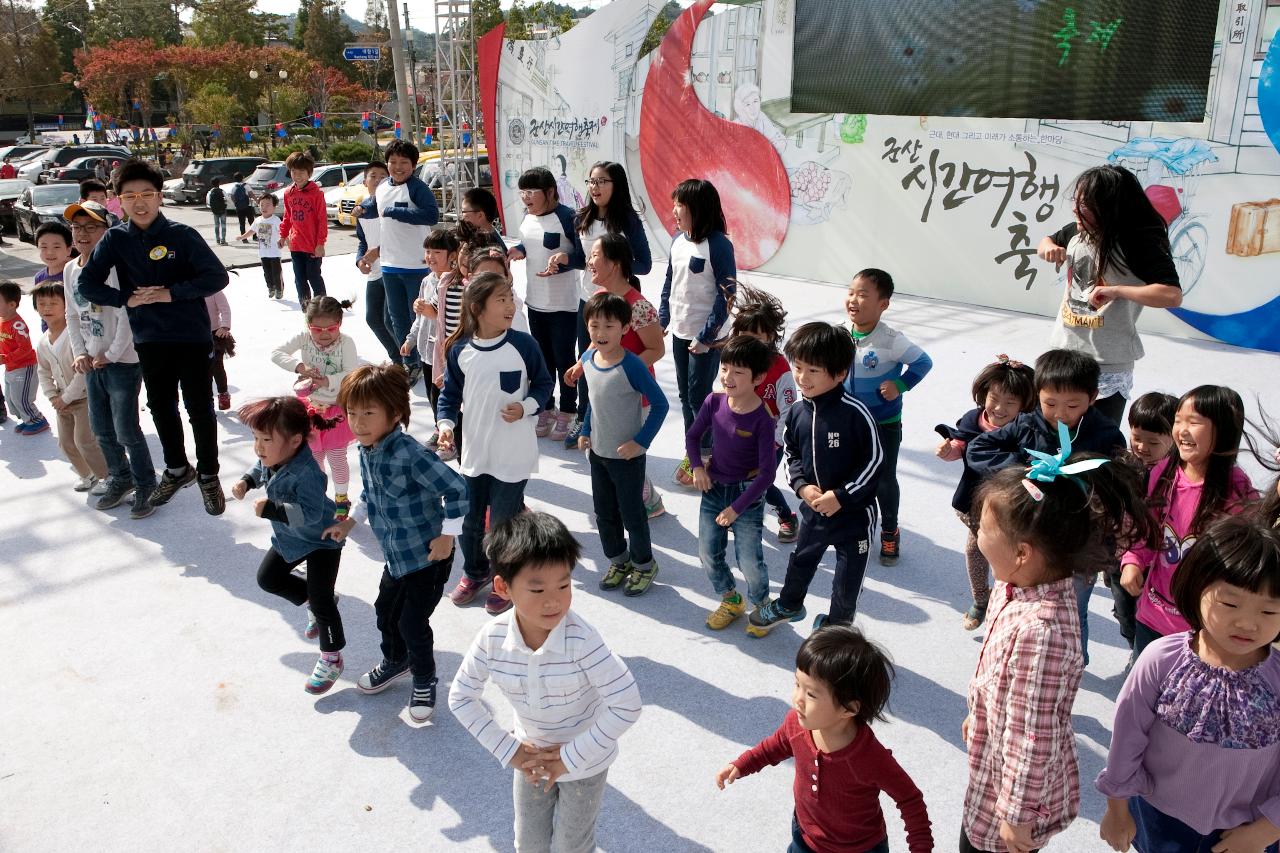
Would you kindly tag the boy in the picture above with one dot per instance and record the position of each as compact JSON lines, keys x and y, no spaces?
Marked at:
{"x":19,"y":360}
{"x":616,"y":437}
{"x":304,"y":226}
{"x":91,"y":189}
{"x":66,"y":391}
{"x":733,"y":484}
{"x":877,"y":380}
{"x":241,"y":201}
{"x":102,"y":343}
{"x":833,"y":460}
{"x":572,"y":698}
{"x":368,"y":241}
{"x":165,"y":270}
{"x":266,"y":231}
{"x":216,"y":199}
{"x":415,"y":504}
{"x":406,"y":211}
{"x":53,"y":239}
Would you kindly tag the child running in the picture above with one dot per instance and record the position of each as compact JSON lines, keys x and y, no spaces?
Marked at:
{"x":498,"y":376}
{"x":304,"y":227}
{"x":325,"y":357}
{"x":1195,"y":751}
{"x":414,"y":503}
{"x":265,"y":231}
{"x":299,"y":512}
{"x":842,"y":684}
{"x":572,"y":698}
{"x":19,"y":359}
{"x":224,"y":345}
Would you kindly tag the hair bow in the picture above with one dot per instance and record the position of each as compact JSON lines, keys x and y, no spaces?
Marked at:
{"x":1046,"y":468}
{"x":1007,"y":362}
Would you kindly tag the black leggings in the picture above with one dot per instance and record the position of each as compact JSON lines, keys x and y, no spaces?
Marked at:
{"x":275,"y":575}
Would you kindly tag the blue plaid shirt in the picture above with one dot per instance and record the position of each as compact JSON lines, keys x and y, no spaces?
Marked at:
{"x":408,"y":493}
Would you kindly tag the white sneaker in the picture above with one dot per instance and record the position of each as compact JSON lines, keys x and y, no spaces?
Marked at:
{"x":99,"y":488}
{"x":84,"y":484}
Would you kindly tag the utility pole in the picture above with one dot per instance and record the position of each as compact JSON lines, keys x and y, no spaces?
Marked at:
{"x":397,"y":64}
{"x":413,"y":68}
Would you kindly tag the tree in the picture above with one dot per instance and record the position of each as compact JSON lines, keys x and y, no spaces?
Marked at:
{"x":517,"y":22}
{"x":666,"y":17}
{"x":214,"y":105}
{"x":60,"y":18}
{"x":326,"y":34}
{"x":551,"y":16}
{"x":116,"y":20}
{"x":300,"y":23}
{"x":114,"y":79}
{"x":221,"y":21}
{"x":28,"y":61}
{"x":485,"y":15}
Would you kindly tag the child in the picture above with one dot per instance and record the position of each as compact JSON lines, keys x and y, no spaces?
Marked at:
{"x":833,"y":460}
{"x":498,"y":376}
{"x":165,"y":270}
{"x":1185,"y":494}
{"x":700,"y":284}
{"x":1195,"y":755}
{"x":414,"y":503}
{"x":304,"y":226}
{"x":53,"y":239}
{"x":224,"y":346}
{"x":1151,"y":427}
{"x":240,"y":201}
{"x":733,"y":484}
{"x":300,"y":512}
{"x":572,"y":698}
{"x":617,"y":434}
{"x":442,"y":286}
{"x":885,"y":366}
{"x":1003,"y":390}
{"x":550,"y":244}
{"x":19,"y":360}
{"x":368,"y":241}
{"x":325,"y":357}
{"x":102,"y":344}
{"x":265,"y":231}
{"x":216,"y":199}
{"x":1037,"y":527}
{"x":762,"y":316}
{"x":842,"y":684}
{"x":66,"y":391}
{"x":487,"y":256}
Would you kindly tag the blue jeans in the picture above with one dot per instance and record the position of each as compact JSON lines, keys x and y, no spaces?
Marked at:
{"x":306,"y":275}
{"x":220,"y":227}
{"x":1084,"y":585}
{"x":502,"y":500}
{"x":113,"y":393}
{"x":695,"y":376}
{"x":378,"y":317}
{"x":1161,"y":833}
{"x":401,"y":289}
{"x":777,"y":498}
{"x":798,"y":844}
{"x":713,"y":541}
{"x":556,"y":334}
{"x":617,"y":492}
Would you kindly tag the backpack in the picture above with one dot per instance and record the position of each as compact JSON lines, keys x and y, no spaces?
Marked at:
{"x":240,"y":197}
{"x":217,"y":200}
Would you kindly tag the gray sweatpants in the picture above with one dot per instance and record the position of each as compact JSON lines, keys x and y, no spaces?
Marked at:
{"x":562,"y":820}
{"x":20,"y":386}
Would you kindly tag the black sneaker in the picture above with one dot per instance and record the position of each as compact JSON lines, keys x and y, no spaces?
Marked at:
{"x":890,"y":547}
{"x":415,"y":374}
{"x":170,"y":484}
{"x":118,"y":488}
{"x":422,"y":704}
{"x":211,"y":491}
{"x":142,"y":504}
{"x":380,"y":677}
{"x":571,"y":438}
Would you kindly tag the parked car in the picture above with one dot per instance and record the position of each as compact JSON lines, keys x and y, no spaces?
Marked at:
{"x":40,"y":204}
{"x":172,"y":191}
{"x":434,"y":176}
{"x":10,"y":191}
{"x":20,"y":152}
{"x":267,"y":178}
{"x":78,"y":170}
{"x":60,"y":157}
{"x":201,"y":175}
{"x":355,"y":193}
{"x":333,"y":182}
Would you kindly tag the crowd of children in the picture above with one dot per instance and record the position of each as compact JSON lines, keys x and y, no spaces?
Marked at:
{"x":1051,"y":494}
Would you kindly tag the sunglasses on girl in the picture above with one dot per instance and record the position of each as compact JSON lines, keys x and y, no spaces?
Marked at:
{"x":318,"y":330}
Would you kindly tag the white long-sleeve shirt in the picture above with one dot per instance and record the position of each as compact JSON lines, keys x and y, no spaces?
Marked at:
{"x":334,"y":361}
{"x":54,"y":366}
{"x":572,"y":692}
{"x":96,"y":330}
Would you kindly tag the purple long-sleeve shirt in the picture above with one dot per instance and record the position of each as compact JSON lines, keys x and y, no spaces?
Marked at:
{"x":741,"y":447}
{"x":1198,"y":742}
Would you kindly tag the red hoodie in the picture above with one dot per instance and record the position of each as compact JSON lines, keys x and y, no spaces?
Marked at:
{"x":15,"y":344}
{"x":304,"y":224}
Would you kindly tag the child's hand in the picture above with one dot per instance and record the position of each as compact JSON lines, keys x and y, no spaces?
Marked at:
{"x":440,"y":548}
{"x":405,"y":349}
{"x":439,"y":383}
{"x":512,"y":412}
{"x":514,"y":254}
{"x":223,"y":332}
{"x":444,"y":440}
{"x":1101,"y":294}
{"x":1118,"y":828}
{"x":1016,"y":837}
{"x":727,"y":516}
{"x":547,"y":767}
{"x":698,"y":348}
{"x":630,"y":449}
{"x":573,"y":374}
{"x":1132,"y":578}
{"x":99,"y":362}
{"x":727,"y":776}
{"x":525,"y":760}
{"x":554,"y":263}
{"x":339,"y":531}
{"x":83,"y":364}
{"x":809,"y":494}
{"x":319,"y":250}
{"x":584,"y":442}
{"x":964,"y":728}
{"x":1051,"y":252}
{"x":701,"y":479}
{"x":420,"y":307}
{"x":889,"y":390}
{"x":239,"y":490}
{"x":1248,"y":837}
{"x":280,"y":243}
{"x":258,"y":506}
{"x":320,"y":381}
{"x":58,"y":403}
{"x":827,"y":504}
{"x":364,"y":266}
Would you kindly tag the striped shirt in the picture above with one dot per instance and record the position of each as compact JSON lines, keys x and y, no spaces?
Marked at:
{"x":572,"y":691}
{"x":1022,"y":749}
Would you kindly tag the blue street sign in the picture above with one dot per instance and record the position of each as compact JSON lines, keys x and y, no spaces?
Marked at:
{"x":362,"y":53}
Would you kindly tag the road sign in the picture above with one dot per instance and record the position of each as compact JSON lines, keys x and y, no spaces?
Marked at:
{"x":362,"y":53}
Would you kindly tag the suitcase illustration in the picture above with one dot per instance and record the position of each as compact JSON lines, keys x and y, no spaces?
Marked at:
{"x":1254,"y":228}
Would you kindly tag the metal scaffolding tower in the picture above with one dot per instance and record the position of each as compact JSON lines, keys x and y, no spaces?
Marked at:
{"x":456,"y":100}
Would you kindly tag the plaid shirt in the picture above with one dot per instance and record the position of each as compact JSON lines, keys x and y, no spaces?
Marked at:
{"x":1022,"y":750}
{"x":408,"y":493}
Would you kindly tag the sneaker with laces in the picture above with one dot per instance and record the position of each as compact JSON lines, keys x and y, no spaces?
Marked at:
{"x":822,"y":620}
{"x":683,"y":475}
{"x":640,"y":580}
{"x":313,"y":627}
{"x":788,"y":530}
{"x":653,"y":506}
{"x":616,"y":576}
{"x":224,"y":402}
{"x":495,"y":604}
{"x":143,"y":505}
{"x":342,"y":507}
{"x":422,"y":704}
{"x":731,"y":607}
{"x":571,"y":438}
{"x":99,"y":487}
{"x":215,"y":502}
{"x":35,"y":427}
{"x":169,"y":485}
{"x":560,"y":427}
{"x":415,"y":374}
{"x":466,"y":591}
{"x":545,"y":419}
{"x":323,"y":676}
{"x":769,"y":616}
{"x":118,"y":488}
{"x":85,"y":483}
{"x":381,"y":676}
{"x":890,"y":547}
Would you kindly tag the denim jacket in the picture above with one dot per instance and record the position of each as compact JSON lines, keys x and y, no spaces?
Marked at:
{"x":298,"y":504}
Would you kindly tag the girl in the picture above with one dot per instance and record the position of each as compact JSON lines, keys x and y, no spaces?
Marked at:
{"x":1195,"y":754}
{"x":1118,"y":262}
{"x":697,"y":293}
{"x":498,"y":376}
{"x":326,"y":357}
{"x":1151,"y":427}
{"x":608,"y":210}
{"x":224,"y":346}
{"x":762,"y":316}
{"x":488,"y":256}
{"x":1037,"y":527}
{"x":299,"y":511}
{"x":1003,"y":390}
{"x":1186,"y":492}
{"x":550,"y":244}
{"x":443,"y":286}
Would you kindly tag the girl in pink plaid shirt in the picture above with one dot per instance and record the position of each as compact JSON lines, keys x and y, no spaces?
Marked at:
{"x":1038,"y":527}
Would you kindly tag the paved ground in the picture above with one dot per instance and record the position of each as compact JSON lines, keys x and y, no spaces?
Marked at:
{"x":155,"y":697}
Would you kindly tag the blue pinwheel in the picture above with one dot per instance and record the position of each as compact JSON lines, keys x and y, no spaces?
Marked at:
{"x":1046,"y":468}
